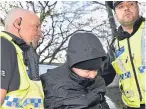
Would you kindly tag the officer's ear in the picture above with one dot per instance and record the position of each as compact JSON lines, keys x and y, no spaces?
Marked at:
{"x":17,"y":23}
{"x":116,"y":17}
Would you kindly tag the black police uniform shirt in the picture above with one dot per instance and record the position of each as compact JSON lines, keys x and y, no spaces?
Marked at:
{"x":10,"y":78}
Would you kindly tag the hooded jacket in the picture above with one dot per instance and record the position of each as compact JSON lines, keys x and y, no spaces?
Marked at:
{"x":65,"y":90}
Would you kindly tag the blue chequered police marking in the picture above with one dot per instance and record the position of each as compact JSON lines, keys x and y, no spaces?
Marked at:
{"x":6,"y":98}
{"x":34,"y":102}
{"x":119,"y":51}
{"x":125,"y":75}
{"x":142,"y":69}
{"x":14,"y":102}
{"x":11,"y":102}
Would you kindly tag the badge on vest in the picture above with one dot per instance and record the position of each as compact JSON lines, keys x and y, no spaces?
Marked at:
{"x":119,"y":51}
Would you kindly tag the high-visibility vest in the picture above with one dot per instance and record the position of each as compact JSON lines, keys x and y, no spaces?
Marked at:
{"x":30,"y":93}
{"x":132,"y":82}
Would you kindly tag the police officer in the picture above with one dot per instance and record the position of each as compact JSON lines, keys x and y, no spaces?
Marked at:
{"x":129,"y":53}
{"x":20,"y":37}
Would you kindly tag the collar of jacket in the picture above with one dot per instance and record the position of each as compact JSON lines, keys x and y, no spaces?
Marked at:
{"x":19,"y":42}
{"x":123,"y":34}
{"x":86,"y":82}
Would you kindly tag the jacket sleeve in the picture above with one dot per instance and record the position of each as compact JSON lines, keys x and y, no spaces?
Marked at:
{"x":108,"y":73}
{"x":65,"y":100}
{"x":57,"y":97}
{"x":10,"y":78}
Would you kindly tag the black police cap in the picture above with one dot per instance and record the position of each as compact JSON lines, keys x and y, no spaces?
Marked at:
{"x":113,"y":4}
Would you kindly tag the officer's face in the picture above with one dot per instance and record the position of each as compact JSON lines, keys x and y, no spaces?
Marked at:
{"x":85,"y":73}
{"x":127,"y":12}
{"x":31,"y":30}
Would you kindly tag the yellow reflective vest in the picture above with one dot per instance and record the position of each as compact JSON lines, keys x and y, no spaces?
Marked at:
{"x":131,"y":71}
{"x":30,"y":94}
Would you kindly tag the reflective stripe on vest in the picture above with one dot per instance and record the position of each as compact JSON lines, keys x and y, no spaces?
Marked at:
{"x":15,"y":102}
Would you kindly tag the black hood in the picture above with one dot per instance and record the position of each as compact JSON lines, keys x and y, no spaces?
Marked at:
{"x":82,"y":47}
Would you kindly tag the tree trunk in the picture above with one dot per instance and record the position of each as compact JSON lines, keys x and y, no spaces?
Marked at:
{"x":111,"y":20}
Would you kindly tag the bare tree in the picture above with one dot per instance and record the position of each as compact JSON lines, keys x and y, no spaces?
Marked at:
{"x":58,"y":24}
{"x":60,"y":20}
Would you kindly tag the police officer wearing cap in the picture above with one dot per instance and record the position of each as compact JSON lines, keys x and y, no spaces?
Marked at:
{"x":129,"y":53}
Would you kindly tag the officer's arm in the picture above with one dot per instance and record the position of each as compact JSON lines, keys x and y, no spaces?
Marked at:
{"x":3,"y":73}
{"x":3,"y":93}
{"x":8,"y":54}
{"x":108,"y":72}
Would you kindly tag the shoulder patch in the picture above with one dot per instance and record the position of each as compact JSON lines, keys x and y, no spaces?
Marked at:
{"x":119,"y":51}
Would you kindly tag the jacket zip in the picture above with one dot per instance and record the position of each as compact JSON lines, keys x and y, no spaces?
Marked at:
{"x":134,"y":71}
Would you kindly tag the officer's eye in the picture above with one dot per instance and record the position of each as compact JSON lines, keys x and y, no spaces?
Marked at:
{"x":131,"y":4}
{"x":120,"y":6}
{"x":36,"y":26}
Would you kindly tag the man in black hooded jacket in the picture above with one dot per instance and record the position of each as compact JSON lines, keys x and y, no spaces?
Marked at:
{"x":77,"y":84}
